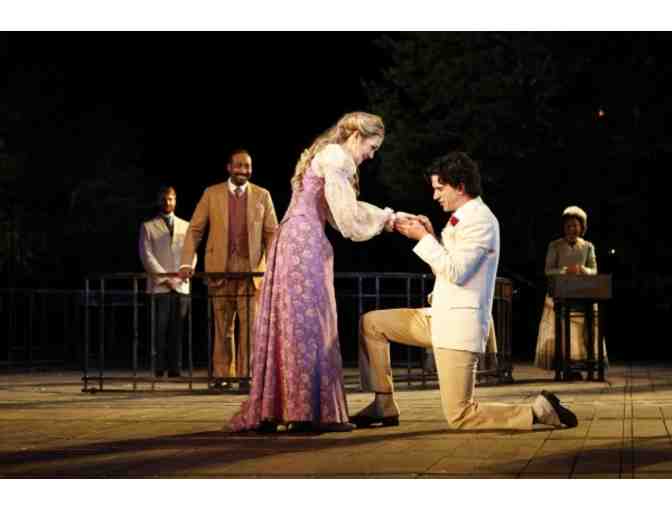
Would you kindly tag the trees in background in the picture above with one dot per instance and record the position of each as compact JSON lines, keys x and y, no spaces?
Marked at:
{"x":553,"y":118}
{"x":71,"y":181}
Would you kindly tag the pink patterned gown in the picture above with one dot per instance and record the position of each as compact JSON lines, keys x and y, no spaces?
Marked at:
{"x":297,"y":373}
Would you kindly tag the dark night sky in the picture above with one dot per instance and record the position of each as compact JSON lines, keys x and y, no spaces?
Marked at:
{"x":197,"y":96}
{"x":187,"y":99}
{"x":184,"y":100}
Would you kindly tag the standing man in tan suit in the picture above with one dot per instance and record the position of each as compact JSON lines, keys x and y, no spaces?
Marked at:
{"x":241,"y":221}
{"x":464,"y":260}
{"x":160,"y":247}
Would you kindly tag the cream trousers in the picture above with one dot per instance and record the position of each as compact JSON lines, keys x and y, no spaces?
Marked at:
{"x":456,"y":370}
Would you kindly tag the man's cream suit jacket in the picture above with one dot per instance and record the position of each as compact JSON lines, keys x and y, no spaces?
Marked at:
{"x":161,"y":254}
{"x":212,"y":212}
{"x":465,"y":266}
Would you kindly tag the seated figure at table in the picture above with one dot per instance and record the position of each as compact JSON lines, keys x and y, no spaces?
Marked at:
{"x":571,"y":254}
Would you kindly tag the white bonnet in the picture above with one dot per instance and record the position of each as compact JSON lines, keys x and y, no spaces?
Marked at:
{"x":575,"y":210}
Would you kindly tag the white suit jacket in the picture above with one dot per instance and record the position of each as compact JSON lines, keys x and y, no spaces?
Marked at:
{"x":161,"y":254}
{"x":465,"y":266}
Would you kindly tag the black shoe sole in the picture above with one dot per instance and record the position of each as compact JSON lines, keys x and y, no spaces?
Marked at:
{"x":567,"y":417}
{"x":267,"y":427}
{"x":365,"y":422}
{"x":301,"y":428}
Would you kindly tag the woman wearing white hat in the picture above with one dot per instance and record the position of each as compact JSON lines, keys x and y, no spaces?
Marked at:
{"x":571,"y":254}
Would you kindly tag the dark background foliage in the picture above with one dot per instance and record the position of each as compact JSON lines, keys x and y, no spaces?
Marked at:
{"x":92,"y":124}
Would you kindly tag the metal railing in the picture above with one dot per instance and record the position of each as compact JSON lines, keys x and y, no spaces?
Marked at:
{"x":103,"y":297}
{"x":40,"y":328}
{"x":108,"y":328}
{"x":412,"y":293}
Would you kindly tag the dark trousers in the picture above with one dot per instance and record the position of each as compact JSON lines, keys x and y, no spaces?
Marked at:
{"x":170,"y":311}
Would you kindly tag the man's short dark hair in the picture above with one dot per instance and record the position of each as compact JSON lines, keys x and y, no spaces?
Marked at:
{"x":457,"y":168}
{"x":239,"y":150}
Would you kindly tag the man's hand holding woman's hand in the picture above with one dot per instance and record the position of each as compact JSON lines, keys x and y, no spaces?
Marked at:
{"x":426,"y":223}
{"x":413,"y":226}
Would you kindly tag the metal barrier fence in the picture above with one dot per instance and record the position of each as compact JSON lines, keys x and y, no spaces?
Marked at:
{"x":374,"y":291}
{"x":40,"y":327}
{"x":111,"y":321}
{"x":142,"y":329}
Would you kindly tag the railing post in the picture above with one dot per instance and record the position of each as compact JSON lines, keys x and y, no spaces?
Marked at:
{"x":44,"y":331}
{"x":29,"y":326}
{"x":189,"y":336}
{"x":152,"y":338}
{"x":135,"y":333}
{"x":11,"y":326}
{"x":208,"y":317}
{"x":87,"y":333}
{"x":101,"y":343}
{"x":248,"y":347}
{"x":423,"y":293}
{"x":408,"y":350}
{"x":66,"y":316}
{"x":360,"y":309}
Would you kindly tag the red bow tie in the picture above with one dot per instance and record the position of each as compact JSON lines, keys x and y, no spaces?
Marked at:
{"x":454,"y":220}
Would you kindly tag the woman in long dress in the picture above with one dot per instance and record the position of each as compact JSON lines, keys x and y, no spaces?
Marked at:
{"x":571,"y":254}
{"x":297,"y":374}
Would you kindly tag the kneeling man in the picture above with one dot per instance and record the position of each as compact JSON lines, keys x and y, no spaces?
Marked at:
{"x":464,"y":262}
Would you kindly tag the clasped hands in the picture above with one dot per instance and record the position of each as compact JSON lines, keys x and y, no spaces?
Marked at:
{"x":173,"y":283}
{"x":576,"y":269}
{"x":413,"y":226}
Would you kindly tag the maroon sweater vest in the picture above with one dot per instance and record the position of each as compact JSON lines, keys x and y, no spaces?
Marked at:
{"x":238,"y":226}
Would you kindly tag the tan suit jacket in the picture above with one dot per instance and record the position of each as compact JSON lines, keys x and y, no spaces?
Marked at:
{"x":212,"y":212}
{"x":161,"y":254}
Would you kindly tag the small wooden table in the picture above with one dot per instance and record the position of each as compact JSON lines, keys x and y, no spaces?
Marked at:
{"x":572,"y":293}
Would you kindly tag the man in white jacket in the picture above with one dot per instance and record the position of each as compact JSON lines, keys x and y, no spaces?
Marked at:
{"x":464,"y":261}
{"x":160,"y":247}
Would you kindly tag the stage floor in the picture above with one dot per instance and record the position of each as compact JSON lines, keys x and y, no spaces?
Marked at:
{"x":50,"y":429}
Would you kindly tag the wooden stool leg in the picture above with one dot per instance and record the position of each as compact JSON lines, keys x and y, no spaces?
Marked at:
{"x":590,"y":324}
{"x":600,"y":341}
{"x":567,"y":360}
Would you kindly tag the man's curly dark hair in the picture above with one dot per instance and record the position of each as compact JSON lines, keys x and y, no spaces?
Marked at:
{"x":457,"y":168}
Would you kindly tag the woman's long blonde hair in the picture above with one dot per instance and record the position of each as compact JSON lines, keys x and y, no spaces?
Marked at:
{"x":367,"y":124}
